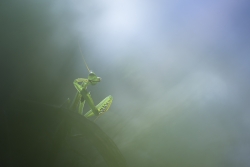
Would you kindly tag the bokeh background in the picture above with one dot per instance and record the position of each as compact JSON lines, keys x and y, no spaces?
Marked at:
{"x":178,"y":72}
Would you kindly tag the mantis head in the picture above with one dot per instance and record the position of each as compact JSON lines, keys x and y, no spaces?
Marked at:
{"x":93,"y":79}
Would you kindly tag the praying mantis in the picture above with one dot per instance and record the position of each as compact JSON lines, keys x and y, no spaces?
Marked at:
{"x":83,"y":95}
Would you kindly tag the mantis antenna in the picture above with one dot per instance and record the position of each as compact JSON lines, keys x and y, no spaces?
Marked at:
{"x":83,"y":58}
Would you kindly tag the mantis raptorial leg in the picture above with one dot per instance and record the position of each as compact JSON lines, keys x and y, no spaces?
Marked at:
{"x":83,"y":95}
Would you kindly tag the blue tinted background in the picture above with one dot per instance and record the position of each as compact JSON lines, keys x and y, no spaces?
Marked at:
{"x":178,"y":72}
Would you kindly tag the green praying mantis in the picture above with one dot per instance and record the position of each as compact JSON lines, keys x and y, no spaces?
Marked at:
{"x":83,"y":95}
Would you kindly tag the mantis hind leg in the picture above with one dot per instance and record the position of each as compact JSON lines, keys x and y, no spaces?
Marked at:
{"x":102,"y":107}
{"x":81,"y":106}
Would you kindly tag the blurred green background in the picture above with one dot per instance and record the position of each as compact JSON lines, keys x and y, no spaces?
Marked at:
{"x":178,"y":72}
